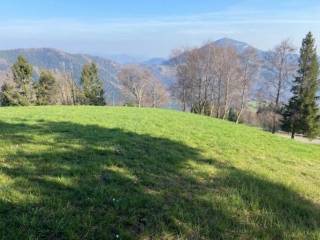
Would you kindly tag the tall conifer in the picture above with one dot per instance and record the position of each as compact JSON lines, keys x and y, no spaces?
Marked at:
{"x":301,"y":114}
{"x":92,"y":86}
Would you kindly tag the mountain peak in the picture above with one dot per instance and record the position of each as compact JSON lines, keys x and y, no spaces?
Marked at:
{"x":240,"y":46}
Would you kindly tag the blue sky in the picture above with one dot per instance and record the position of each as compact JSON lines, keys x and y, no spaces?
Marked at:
{"x":152,"y":27}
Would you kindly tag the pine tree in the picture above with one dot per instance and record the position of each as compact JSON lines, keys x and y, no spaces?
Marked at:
{"x":301,"y":113}
{"x":22,"y":77}
{"x":46,"y":89}
{"x":92,"y":86}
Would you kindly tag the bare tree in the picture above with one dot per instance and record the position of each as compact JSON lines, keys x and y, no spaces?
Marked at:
{"x":179,"y":87}
{"x":69,"y":91}
{"x":157,"y":94}
{"x":194,"y":78}
{"x":283,"y":67}
{"x":206,"y":79}
{"x":248,"y":69}
{"x":230,"y":73}
{"x":135,"y":81}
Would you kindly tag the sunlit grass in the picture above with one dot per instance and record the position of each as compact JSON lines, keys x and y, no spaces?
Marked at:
{"x":127,"y":173}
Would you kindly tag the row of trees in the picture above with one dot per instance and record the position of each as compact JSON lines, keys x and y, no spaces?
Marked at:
{"x":51,"y":87}
{"x":217,"y":81}
{"x":213,"y":79}
{"x":139,"y":87}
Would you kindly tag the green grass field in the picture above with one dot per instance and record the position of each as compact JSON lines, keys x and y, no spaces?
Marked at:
{"x":127,"y":173}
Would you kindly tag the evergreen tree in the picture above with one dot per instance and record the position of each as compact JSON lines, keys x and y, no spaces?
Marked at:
{"x":22,"y":77}
{"x":232,"y":116}
{"x":46,"y":89}
{"x":301,"y":113}
{"x":92,"y":86}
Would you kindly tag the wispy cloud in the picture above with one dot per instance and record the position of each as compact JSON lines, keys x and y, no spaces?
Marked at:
{"x":141,"y":34}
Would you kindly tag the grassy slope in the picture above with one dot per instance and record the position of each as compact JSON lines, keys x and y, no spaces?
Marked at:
{"x":125,"y":173}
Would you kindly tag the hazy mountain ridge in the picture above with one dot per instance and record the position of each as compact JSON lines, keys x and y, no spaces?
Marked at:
{"x":125,"y":58}
{"x":57,"y":60}
{"x":53,"y":59}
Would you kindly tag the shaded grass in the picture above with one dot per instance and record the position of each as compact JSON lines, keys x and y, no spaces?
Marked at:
{"x":125,"y":173}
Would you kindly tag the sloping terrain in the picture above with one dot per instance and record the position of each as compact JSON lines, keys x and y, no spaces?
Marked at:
{"x":127,"y":173}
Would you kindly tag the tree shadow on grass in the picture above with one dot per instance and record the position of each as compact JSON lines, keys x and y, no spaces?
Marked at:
{"x":73,"y":181}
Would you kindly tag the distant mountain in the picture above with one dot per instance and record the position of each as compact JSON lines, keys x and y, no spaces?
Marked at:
{"x":155,"y":61}
{"x":57,"y":60}
{"x":126,"y":59}
{"x":239,"y":46}
{"x":161,"y":70}
{"x":140,"y":60}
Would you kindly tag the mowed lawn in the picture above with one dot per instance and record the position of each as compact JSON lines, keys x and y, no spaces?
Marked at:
{"x":127,"y":173}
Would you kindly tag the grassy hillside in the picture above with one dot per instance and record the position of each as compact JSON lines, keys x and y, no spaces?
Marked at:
{"x":126,"y":173}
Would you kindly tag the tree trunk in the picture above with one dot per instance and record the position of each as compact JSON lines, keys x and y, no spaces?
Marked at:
{"x":226,"y":111}
{"x":184,"y":99}
{"x":242,"y":103}
{"x":239,"y":115}
{"x":276,"y":105}
{"x":211,"y":110}
{"x":293,"y":131}
{"x":226,"y":99}
{"x":274,"y":123}
{"x":219,"y":100}
{"x":293,"y":134}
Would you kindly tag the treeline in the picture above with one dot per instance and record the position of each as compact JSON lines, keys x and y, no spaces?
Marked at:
{"x":213,"y":80}
{"x":138,"y":85}
{"x":217,"y":81}
{"x":51,"y":88}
